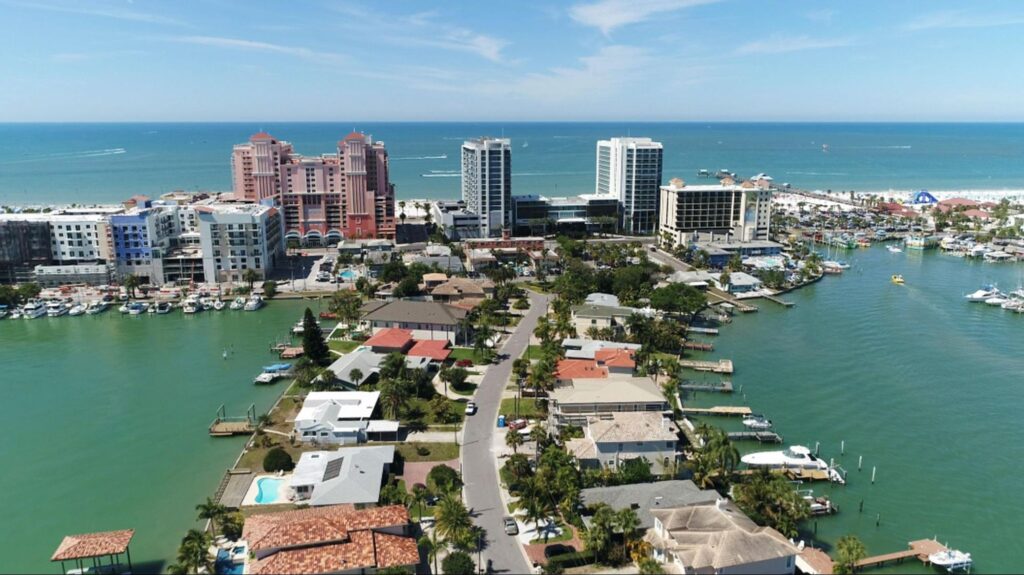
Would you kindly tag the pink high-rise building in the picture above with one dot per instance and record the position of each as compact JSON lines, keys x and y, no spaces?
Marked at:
{"x":324,"y":198}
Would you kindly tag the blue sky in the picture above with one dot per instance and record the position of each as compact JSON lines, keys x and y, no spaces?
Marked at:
{"x":208,"y":60}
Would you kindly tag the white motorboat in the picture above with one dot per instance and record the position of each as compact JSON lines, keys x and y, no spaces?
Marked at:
{"x":951,"y":560}
{"x":15,"y":314}
{"x":757,"y":422}
{"x":56,"y":309}
{"x":138,"y":308}
{"x":33,"y":309}
{"x":997,"y":300}
{"x":254,"y":303}
{"x":124,"y":308}
{"x":77,"y":309}
{"x":238,"y":303}
{"x":1012,"y":304}
{"x":3,"y":311}
{"x":266,"y":377}
{"x":191,"y":305}
{"x":793,"y":457}
{"x":162,"y":308}
{"x":218,"y":304}
{"x":894,"y":249}
{"x":985,"y":293}
{"x":96,"y":306}
{"x":818,"y":505}
{"x":300,"y":327}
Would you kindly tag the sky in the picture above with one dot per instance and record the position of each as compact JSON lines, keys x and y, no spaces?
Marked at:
{"x":590,"y":60}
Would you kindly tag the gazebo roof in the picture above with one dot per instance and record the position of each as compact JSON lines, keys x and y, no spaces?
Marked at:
{"x":89,"y":545}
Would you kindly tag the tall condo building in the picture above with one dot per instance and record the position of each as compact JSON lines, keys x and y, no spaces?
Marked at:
{"x":487,"y":182}
{"x":323,"y":198}
{"x":630,"y":169}
{"x":699,"y":213}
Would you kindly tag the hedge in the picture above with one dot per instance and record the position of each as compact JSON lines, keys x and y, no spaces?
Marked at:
{"x":569,"y":560}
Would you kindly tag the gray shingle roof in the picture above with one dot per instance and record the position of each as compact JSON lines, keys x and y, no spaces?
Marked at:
{"x":413,"y":312}
{"x":646,"y":496}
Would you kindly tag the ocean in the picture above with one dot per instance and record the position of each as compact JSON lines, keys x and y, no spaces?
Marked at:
{"x":42,"y":164}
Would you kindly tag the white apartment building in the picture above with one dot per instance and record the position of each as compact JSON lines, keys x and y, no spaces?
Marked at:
{"x":630,"y":169}
{"x":487,"y":182}
{"x":74,"y":238}
{"x":698,"y":213}
{"x":237,"y":237}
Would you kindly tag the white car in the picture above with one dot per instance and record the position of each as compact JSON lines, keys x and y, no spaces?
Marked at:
{"x":471,"y":408}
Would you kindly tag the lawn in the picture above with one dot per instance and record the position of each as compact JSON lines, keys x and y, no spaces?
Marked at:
{"x":527,"y":407}
{"x":468,"y":389}
{"x":343,"y":346}
{"x":467,"y":353}
{"x":532,"y":352}
{"x":434,"y":451}
{"x":418,"y":405}
{"x":565,"y":535}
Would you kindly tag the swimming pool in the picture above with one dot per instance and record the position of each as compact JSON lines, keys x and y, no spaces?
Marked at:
{"x":348,"y":275}
{"x":225,"y":566}
{"x":268,"y":490}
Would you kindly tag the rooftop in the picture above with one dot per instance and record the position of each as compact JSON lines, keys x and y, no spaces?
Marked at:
{"x":435,"y":349}
{"x":625,"y":358}
{"x":390,"y":338}
{"x":631,"y":426}
{"x":643,"y":497}
{"x":463,"y":287}
{"x":413,"y":312}
{"x":348,"y":475}
{"x":579,"y":369}
{"x":99,"y":544}
{"x":338,"y":405}
{"x":610,"y":390}
{"x":588,"y":348}
{"x":362,"y":358}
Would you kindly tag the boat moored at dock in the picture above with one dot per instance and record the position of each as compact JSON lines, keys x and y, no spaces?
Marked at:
{"x":254,"y":303}
{"x":56,"y":309}
{"x":238,"y":303}
{"x":33,"y":309}
{"x":793,"y":457}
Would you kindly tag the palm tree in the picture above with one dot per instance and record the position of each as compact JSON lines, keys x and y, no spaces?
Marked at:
{"x":849,"y":550}
{"x":598,"y":537}
{"x":193,"y":552}
{"x":250,"y":276}
{"x":534,"y":503}
{"x":213,"y":511}
{"x":356,"y":375}
{"x":392,"y":398}
{"x":452,"y":521}
{"x":418,"y":498}
{"x":131,"y":283}
{"x":628,"y":522}
{"x":513,"y":439}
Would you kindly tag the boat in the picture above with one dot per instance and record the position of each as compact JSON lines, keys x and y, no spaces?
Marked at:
{"x":163,"y":307}
{"x":191,"y":305}
{"x":277,"y":368}
{"x":238,"y":303}
{"x":266,"y":377}
{"x":897,"y":279}
{"x":33,"y":309}
{"x":831,"y":267}
{"x":218,"y":304}
{"x":56,"y":308}
{"x":793,"y":457}
{"x":77,"y":309}
{"x":951,"y":560}
{"x":137,"y":308}
{"x":819,"y":505}
{"x":894,"y":249}
{"x":96,"y":306}
{"x":526,"y":144}
{"x":254,"y":303}
{"x":757,"y":422}
{"x":3,"y":311}
{"x":300,"y":327}
{"x":986,"y":292}
{"x":1012,"y":304}
{"x":703,"y":173}
{"x":15,"y":314}
{"x":124,"y":308}
{"x":996,"y":300}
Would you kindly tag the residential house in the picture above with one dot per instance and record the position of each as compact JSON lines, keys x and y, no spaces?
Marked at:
{"x":603,"y":363}
{"x":361,"y":360}
{"x":459,"y":291}
{"x":341,"y":417}
{"x":612,"y":438}
{"x":334,"y":539}
{"x":586,"y":316}
{"x":350,"y":475}
{"x":426,"y":319}
{"x":394,"y":340}
{"x":716,"y":537}
{"x":432,"y":280}
{"x":645,"y":497}
{"x":588,"y":348}
{"x":575,"y":401}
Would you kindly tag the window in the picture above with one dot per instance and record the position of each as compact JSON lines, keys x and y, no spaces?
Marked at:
{"x":668,"y":445}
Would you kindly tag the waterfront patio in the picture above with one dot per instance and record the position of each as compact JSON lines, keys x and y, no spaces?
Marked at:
{"x":109,"y":545}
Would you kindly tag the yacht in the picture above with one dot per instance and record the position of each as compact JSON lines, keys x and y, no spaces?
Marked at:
{"x":239,"y":303}
{"x":191,"y":305}
{"x":951,"y":560}
{"x":56,"y":308}
{"x":218,"y":304}
{"x":996,"y":300}
{"x":985,"y":293}
{"x":33,"y":309}
{"x":757,"y":422}
{"x":793,"y":457}
{"x":894,"y":249}
{"x":254,"y":303}
{"x":96,"y":306}
{"x":163,"y":307}
{"x":898,"y":279}
{"x":15,"y":314}
{"x":77,"y":309}
{"x":137,"y":308}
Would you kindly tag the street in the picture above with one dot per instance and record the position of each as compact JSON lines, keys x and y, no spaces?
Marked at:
{"x":480,"y":472}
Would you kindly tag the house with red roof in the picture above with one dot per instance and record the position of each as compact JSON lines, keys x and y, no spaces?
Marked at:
{"x":398,"y":340}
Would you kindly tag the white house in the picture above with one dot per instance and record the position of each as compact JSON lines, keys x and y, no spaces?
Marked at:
{"x":340,"y":417}
{"x":349,"y":475}
{"x":612,"y":438}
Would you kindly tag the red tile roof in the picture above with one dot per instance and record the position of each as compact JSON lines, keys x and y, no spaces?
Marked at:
{"x":261,"y":136}
{"x":365,"y":549}
{"x":958,"y":202}
{"x":317,"y":525}
{"x":980,"y":214}
{"x":395,"y":550}
{"x":615,"y":357}
{"x":579,"y":369}
{"x":435,"y":349}
{"x":93,"y":545}
{"x":355,"y":136}
{"x":391,"y":338}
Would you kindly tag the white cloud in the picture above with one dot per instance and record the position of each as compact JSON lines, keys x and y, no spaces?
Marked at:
{"x":255,"y":46}
{"x":607,"y":15}
{"x":98,"y":11}
{"x":962,"y":19}
{"x":599,"y":74}
{"x":779,"y":44}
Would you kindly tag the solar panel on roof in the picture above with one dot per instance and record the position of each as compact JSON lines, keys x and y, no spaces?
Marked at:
{"x":333,"y":469}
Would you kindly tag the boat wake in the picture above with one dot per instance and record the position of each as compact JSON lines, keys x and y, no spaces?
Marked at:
{"x":441,"y":157}
{"x":68,"y":155}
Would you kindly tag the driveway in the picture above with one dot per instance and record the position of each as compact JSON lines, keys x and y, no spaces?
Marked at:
{"x":483,"y":494}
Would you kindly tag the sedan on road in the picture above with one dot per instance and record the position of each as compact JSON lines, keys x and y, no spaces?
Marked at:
{"x":511,"y":527}
{"x":471,"y":408}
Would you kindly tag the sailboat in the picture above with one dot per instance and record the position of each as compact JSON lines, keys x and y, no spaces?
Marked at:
{"x":526,"y":144}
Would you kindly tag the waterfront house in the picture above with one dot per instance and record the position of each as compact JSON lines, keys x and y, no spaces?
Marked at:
{"x":349,"y":475}
{"x":341,"y":417}
{"x":588,"y":348}
{"x":603,"y":363}
{"x":612,"y":438}
{"x":420,"y":353}
{"x":645,"y":497}
{"x":716,"y":537}
{"x":573,"y":402}
{"x":739,"y":283}
{"x":361,"y":360}
{"x":586,"y":316}
{"x":458,"y":291}
{"x":334,"y":539}
{"x":426,"y":319}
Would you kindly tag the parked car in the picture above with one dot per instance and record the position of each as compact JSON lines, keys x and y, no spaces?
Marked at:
{"x":511,"y":527}
{"x":471,"y":408}
{"x":518,"y":424}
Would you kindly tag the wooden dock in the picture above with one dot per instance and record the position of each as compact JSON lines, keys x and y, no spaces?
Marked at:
{"x":718,"y":296}
{"x":781,"y":302}
{"x":920,"y":549}
{"x":807,"y":475}
{"x":226,"y":426}
{"x":762,"y":436}
{"x":698,"y":346}
{"x":702,"y":330}
{"x":720,"y":387}
{"x":727,"y":410}
{"x":720,"y":366}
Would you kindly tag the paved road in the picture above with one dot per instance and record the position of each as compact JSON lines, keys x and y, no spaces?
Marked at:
{"x":478,"y":461}
{"x":664,"y":258}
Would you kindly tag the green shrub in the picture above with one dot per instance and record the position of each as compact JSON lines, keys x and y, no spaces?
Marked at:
{"x":569,"y":560}
{"x":269,"y":289}
{"x":277,"y":459}
{"x":458,"y":563}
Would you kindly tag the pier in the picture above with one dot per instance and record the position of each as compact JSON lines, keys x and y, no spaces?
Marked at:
{"x":724,"y":410}
{"x":718,"y":296}
{"x":720,"y":366}
{"x":702,"y":330}
{"x":761,"y":436}
{"x":721,"y":386}
{"x":226,"y":426}
{"x":698,"y":346}
{"x":920,"y":549}
{"x":781,"y":302}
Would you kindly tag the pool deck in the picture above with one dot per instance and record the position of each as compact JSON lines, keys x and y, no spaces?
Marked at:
{"x":235,"y":485}
{"x":283,"y":490}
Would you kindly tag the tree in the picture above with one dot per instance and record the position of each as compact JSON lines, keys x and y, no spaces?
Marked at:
{"x":277,"y":459}
{"x":628,"y":522}
{"x":392,"y":398}
{"x":231,"y":526}
{"x":513,"y":439}
{"x":849,"y":550}
{"x":407,"y":287}
{"x":213,"y":511}
{"x":392,"y":367}
{"x":131,"y":283}
{"x":456,"y":376}
{"x":250,"y":276}
{"x":442,"y":480}
{"x":313,"y":345}
{"x":637,"y":470}
{"x":768,"y":499}
{"x":440,"y":407}
{"x":269,"y":289}
{"x":356,"y":375}
{"x":598,"y":538}
{"x":649,"y":566}
{"x":458,"y":563}
{"x":193,"y":553}
{"x":452,"y":521}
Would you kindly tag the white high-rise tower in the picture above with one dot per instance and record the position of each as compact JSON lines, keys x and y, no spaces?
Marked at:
{"x":629,"y":169}
{"x":487,"y":182}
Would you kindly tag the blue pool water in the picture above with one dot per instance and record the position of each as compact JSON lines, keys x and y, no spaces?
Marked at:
{"x":224,"y":565}
{"x":268,"y":487}
{"x":348,"y":275}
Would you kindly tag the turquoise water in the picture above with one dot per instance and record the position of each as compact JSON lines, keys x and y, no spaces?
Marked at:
{"x":923,"y":385}
{"x":62,"y":163}
{"x":105,"y":423}
{"x":348,"y":275}
{"x":268,"y":487}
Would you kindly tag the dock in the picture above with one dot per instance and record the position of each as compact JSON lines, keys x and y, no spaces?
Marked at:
{"x":718,"y":296}
{"x":702,"y":330}
{"x":781,"y":302}
{"x":761,"y":436}
{"x":291,"y":352}
{"x":233,"y":487}
{"x":807,"y":475}
{"x":720,"y":366}
{"x":920,"y":549}
{"x":720,"y":387}
{"x":698,"y":346}
{"x":725,"y":410}
{"x":226,"y":426}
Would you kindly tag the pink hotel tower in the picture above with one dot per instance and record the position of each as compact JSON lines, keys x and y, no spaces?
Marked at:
{"x":324,"y":199}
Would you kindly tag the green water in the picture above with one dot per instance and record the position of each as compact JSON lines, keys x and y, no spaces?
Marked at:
{"x":924,"y":385}
{"x":105,"y":423}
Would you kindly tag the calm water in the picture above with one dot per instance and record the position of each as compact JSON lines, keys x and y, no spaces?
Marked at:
{"x":104,"y":423}
{"x":924,"y":385}
{"x":88,"y":163}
